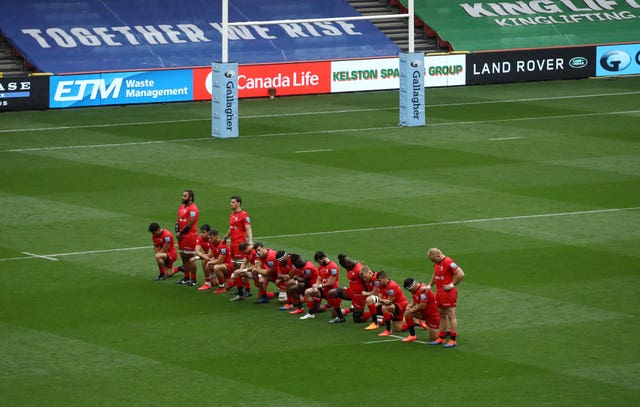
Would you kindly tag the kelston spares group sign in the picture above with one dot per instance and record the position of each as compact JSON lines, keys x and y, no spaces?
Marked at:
{"x":531,"y":65}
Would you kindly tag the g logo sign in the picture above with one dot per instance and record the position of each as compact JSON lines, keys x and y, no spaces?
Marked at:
{"x":615,"y":61}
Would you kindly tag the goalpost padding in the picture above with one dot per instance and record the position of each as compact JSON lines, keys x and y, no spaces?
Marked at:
{"x":412,"y":109}
{"x":224,"y":89}
{"x":224,"y":100}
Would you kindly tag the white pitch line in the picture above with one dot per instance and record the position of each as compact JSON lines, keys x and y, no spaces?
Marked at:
{"x":40,"y":256}
{"x":520,"y":119}
{"x":314,"y":151}
{"x":331,"y":232}
{"x":100,"y":251}
{"x":452,"y":222}
{"x":396,"y":339}
{"x":137,"y":143}
{"x":308,"y":133}
{"x":504,"y":138}
{"x":97,"y":126}
{"x":481,"y":102}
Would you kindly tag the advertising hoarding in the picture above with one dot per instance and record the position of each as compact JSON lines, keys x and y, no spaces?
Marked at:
{"x":365,"y":74}
{"x":24,"y":93}
{"x":120,"y":88}
{"x":445,"y":70}
{"x":303,"y":78}
{"x":531,"y":65}
{"x":617,"y":60}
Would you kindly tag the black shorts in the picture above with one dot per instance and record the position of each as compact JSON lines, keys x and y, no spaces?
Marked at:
{"x":343,"y":293}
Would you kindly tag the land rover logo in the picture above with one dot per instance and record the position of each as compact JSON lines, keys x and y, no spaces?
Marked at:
{"x":578,"y":62}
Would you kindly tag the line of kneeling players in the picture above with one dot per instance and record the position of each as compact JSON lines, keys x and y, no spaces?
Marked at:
{"x":301,"y":283}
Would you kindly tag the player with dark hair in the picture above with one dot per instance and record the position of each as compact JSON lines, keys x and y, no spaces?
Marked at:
{"x":165,"y":250}
{"x":424,"y":306}
{"x":242,"y":275}
{"x":220,"y":263}
{"x":284,"y":273}
{"x":239,"y":228}
{"x":187,"y":233}
{"x":351,"y":293}
{"x":265,"y":270}
{"x":328,"y":279}
{"x":304,"y":276}
{"x":393,"y":303}
{"x":203,"y":244}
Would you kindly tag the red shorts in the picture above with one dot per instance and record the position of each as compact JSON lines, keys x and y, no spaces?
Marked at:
{"x":358,"y":300}
{"x":235,"y":250}
{"x":188,"y":243}
{"x":229,"y":270}
{"x":432,"y":319}
{"x":447,"y":299}
{"x":171,"y":258}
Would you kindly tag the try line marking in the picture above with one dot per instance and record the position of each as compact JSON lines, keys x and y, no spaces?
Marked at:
{"x":54,"y":257}
{"x":309,"y":133}
{"x":396,"y":338}
{"x":322,"y":150}
{"x":480,"y":102}
{"x":504,"y":138}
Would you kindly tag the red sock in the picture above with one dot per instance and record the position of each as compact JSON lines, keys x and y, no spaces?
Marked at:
{"x":271,"y":295}
{"x":311,"y":305}
{"x":334,"y":302}
{"x":232,"y":283}
{"x":372,"y":309}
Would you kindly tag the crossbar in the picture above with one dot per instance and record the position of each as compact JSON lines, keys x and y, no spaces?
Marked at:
{"x":226,"y":24}
{"x":318,"y":20}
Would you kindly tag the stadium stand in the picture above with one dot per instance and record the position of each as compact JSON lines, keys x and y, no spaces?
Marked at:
{"x":396,"y":29}
{"x":477,"y":26}
{"x":88,"y":36}
{"x":11,"y":64}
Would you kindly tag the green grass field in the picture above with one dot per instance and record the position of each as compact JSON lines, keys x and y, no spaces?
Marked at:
{"x":534,"y":189}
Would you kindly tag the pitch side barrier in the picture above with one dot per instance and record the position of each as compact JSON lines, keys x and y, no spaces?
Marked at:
{"x":320,"y":77}
{"x":24,"y":93}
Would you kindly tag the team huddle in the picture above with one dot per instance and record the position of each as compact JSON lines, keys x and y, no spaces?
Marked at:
{"x":299,"y":283}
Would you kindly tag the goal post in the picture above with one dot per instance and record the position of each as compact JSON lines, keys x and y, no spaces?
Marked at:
{"x":224,"y":86}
